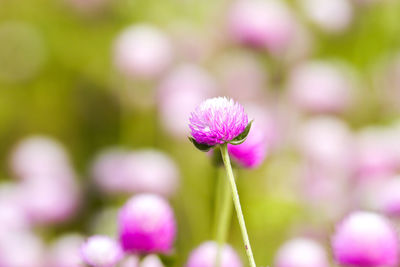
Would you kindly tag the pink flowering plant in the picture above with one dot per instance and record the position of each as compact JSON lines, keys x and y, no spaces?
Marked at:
{"x":218,"y":122}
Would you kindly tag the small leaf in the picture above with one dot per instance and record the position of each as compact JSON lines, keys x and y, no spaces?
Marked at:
{"x":241,"y":137}
{"x":201,"y":147}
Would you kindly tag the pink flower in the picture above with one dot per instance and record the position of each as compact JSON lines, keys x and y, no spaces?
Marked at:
{"x":205,"y":256}
{"x":301,"y":252}
{"x":365,"y":239}
{"x":147,"y":225}
{"x":142,"y":51}
{"x":101,"y":251}
{"x":262,"y":24}
{"x":217,"y":121}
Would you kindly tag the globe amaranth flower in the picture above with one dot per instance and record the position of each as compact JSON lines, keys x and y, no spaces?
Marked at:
{"x":365,"y":239}
{"x":301,"y":252}
{"x":217,"y":121}
{"x":205,"y":254}
{"x":147,"y":225}
{"x":101,"y":251}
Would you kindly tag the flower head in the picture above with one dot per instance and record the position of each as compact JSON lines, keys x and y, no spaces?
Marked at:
{"x":204,"y":256}
{"x":101,"y":251}
{"x":147,"y":225}
{"x":217,"y":121}
{"x":365,"y":239}
{"x":301,"y":252}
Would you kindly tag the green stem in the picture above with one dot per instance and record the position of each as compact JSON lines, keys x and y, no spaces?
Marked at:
{"x":224,"y":211}
{"x":236,"y":201}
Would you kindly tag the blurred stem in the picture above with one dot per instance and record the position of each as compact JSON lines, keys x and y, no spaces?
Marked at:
{"x":224,"y":212}
{"x":236,"y":201}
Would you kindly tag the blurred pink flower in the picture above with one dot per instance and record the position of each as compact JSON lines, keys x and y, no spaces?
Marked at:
{"x":141,"y":171}
{"x":152,"y":171}
{"x":204,"y":256}
{"x":326,"y":142}
{"x":12,"y":217}
{"x":108,"y":170}
{"x":142,"y":51}
{"x":331,"y":16}
{"x":21,"y":249}
{"x":301,"y":252}
{"x":101,"y":251}
{"x":319,"y":86}
{"x":147,"y":225}
{"x":181,"y":90}
{"x":376,"y":153}
{"x":217,"y":121}
{"x":40,"y":156}
{"x":65,"y":252}
{"x":326,"y":192}
{"x":48,"y":201}
{"x":261,"y":24}
{"x":365,"y":239}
